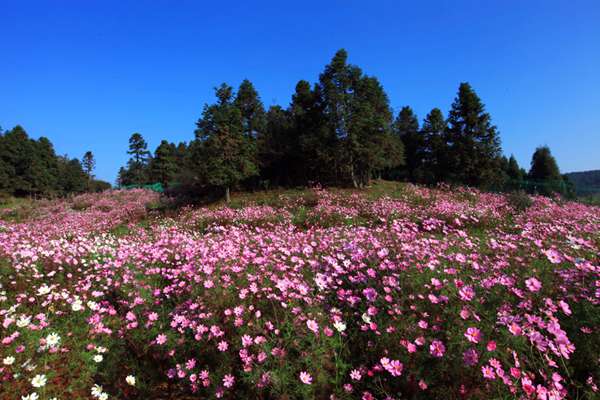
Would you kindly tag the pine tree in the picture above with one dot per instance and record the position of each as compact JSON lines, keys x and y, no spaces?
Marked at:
{"x":374,"y":147}
{"x":474,"y":144}
{"x":338,"y":84}
{"x":406,"y":128}
{"x":310,"y":131}
{"x":228,"y":156}
{"x":434,"y":147}
{"x":545,"y":173}
{"x":277,"y":148}
{"x":137,"y":165}
{"x":88,"y":163}
{"x":163,"y":165}
{"x":248,"y":102}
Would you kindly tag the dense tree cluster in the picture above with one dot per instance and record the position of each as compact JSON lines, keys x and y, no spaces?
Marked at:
{"x":31,"y":167}
{"x":339,"y":131}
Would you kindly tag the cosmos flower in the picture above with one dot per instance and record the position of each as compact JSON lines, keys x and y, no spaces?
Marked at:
{"x":130,"y":379}
{"x":305,"y":378}
{"x":38,"y":381}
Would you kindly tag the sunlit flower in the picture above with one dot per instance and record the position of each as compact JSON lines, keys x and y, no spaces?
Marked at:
{"x":38,"y":381}
{"x":8,"y":360}
{"x":130,"y":379}
{"x":339,"y":326}
{"x":52,"y":339}
{"x":305,"y":378}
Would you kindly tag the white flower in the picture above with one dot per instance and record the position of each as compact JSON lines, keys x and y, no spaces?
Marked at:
{"x":92,"y":305}
{"x":96,"y":390}
{"x":101,"y":349}
{"x":38,"y":381}
{"x":32,"y":396}
{"x":103,"y":396}
{"x":52,"y":339}
{"x":98,"y":358}
{"x":23,"y":321}
{"x":366,"y":318}
{"x":339,"y":326}
{"x":8,"y":360}
{"x":130,"y":379}
{"x":77,"y":305}
{"x":44,"y":289}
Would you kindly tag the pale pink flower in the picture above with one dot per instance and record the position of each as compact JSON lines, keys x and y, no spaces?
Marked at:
{"x":305,"y":378}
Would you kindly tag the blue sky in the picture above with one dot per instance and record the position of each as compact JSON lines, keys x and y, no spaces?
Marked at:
{"x":87,"y":74}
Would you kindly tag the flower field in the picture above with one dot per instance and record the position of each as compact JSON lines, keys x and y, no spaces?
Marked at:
{"x":400,"y":294}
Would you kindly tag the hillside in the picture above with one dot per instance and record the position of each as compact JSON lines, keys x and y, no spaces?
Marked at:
{"x":395,"y":291}
{"x":586,"y":182}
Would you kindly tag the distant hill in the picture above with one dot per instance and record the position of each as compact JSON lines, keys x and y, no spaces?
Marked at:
{"x":586,"y":182}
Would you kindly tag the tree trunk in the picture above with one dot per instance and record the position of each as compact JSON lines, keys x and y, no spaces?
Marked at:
{"x":227,"y":196}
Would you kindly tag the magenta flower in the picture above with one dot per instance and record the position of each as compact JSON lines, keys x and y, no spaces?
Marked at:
{"x":488,"y":372}
{"x":533,"y":284}
{"x":437,"y":348}
{"x":473,"y":335}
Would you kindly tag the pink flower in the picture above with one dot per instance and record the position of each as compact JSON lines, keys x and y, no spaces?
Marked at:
{"x":488,"y":372}
{"x":370,"y":294}
{"x":355,"y":375}
{"x":466,"y":293}
{"x":222,"y":346}
{"x":161,"y":339}
{"x":228,"y":380}
{"x":553,"y":256}
{"x":565,"y":307}
{"x":470,"y":357}
{"x":515,"y":329}
{"x":437,"y":348}
{"x":305,"y":378}
{"x":491,"y":345}
{"x":313,"y":326}
{"x":533,"y":284}
{"x":473,"y":335}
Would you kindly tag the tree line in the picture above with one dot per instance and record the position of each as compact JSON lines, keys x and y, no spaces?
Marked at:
{"x":338,"y":131}
{"x":31,"y":167}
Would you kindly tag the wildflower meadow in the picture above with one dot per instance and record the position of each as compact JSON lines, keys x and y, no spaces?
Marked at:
{"x":403,"y":293}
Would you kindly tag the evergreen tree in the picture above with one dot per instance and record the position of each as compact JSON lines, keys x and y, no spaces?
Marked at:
{"x":309,"y":130}
{"x":251,"y":109}
{"x":228,"y":156}
{"x":73,"y":178}
{"x":278,"y":149}
{"x":406,"y":128}
{"x":43,"y":172}
{"x":137,"y":167}
{"x":434,"y":147}
{"x":338,"y":84}
{"x":89,"y":163}
{"x":373,"y":145}
{"x":544,"y":172}
{"x":474,"y":144}
{"x":163,"y":165}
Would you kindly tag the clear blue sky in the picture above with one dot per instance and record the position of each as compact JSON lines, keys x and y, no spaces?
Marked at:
{"x":87,"y":74}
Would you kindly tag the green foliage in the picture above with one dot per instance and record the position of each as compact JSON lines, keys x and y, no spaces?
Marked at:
{"x":227,"y":155}
{"x":474,"y":144}
{"x":406,"y":127}
{"x":31,"y":167}
{"x":163,"y":165}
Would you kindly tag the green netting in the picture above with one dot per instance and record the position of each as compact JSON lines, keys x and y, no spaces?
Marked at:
{"x":157,"y":187}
